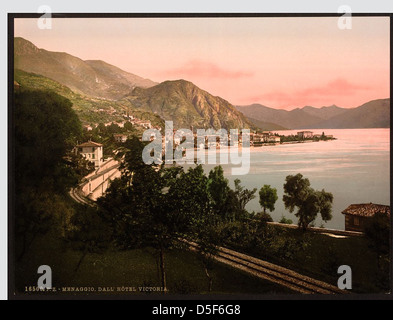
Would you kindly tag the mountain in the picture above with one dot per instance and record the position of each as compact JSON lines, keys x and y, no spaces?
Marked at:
{"x":92,"y":78}
{"x":373,"y":114}
{"x":324,"y":112}
{"x":296,"y":118}
{"x":89,"y":110}
{"x":266,"y":126}
{"x":96,"y":86}
{"x":101,"y":91}
{"x":187,"y":105}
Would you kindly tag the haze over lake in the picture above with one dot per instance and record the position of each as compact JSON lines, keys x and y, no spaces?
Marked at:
{"x":355,"y":168}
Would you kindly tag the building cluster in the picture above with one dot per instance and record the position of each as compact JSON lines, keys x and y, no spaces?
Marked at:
{"x":214,"y":140}
{"x":146,"y":124}
{"x":264,"y":137}
{"x":305,"y":134}
{"x":310,"y":135}
{"x":138,"y":122}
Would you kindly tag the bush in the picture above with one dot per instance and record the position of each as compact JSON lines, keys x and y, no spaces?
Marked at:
{"x":285,"y":220}
{"x":265,"y":217}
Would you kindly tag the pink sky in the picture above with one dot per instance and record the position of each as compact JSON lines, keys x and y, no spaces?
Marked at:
{"x":278,"y":62}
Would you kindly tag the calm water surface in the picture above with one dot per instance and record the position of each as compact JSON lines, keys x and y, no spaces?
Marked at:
{"x":355,"y":168}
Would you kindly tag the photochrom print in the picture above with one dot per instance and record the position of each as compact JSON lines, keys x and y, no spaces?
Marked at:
{"x":199,"y":155}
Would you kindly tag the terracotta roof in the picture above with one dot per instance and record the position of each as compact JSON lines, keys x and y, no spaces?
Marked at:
{"x":89,"y":144}
{"x":366,"y":209}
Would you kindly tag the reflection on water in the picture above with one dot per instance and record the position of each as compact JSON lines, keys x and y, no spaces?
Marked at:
{"x":355,"y":168}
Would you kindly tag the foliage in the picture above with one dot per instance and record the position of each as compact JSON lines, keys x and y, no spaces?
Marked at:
{"x":267,"y":197}
{"x":284,"y":220}
{"x":219,"y":189}
{"x":45,"y":128}
{"x":377,"y":231}
{"x":243,"y":195}
{"x":265,"y":217}
{"x":298,"y":193}
{"x":155,"y":206}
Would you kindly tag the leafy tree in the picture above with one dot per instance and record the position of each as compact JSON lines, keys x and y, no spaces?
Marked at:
{"x":155,"y":206}
{"x":219,"y":190}
{"x":267,"y":197}
{"x":243,"y":195}
{"x":44,"y":127}
{"x":298,"y":193}
{"x":128,"y":126}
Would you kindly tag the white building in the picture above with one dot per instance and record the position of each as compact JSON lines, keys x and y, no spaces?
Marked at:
{"x":274,"y":139}
{"x":92,"y":151}
{"x":120,"y":137}
{"x":305,"y":134}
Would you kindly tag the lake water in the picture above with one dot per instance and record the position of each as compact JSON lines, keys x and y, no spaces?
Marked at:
{"x":355,"y":168}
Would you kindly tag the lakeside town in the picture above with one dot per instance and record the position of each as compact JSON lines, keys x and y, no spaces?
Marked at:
{"x":258,"y":138}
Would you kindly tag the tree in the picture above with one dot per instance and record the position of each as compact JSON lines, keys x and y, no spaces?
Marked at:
{"x":44,"y":127}
{"x":267,"y":198}
{"x":243,"y":195}
{"x":155,"y":206}
{"x":298,"y":193}
{"x":219,"y":190}
{"x":128,"y":126}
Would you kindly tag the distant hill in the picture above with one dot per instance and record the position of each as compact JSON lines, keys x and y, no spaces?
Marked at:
{"x":288,"y":119}
{"x":187,"y":105}
{"x":324,"y":112}
{"x":373,"y":114}
{"x":89,"y":110}
{"x":268,"y":126}
{"x":92,"y":78}
{"x":96,"y":87}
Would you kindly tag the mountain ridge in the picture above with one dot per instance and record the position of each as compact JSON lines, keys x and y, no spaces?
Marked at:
{"x":372,"y":114}
{"x":182,"y":101}
{"x":188,"y":105}
{"x":86,"y":77}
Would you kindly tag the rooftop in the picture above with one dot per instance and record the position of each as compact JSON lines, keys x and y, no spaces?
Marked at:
{"x":89,"y":144}
{"x":366,"y":209}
